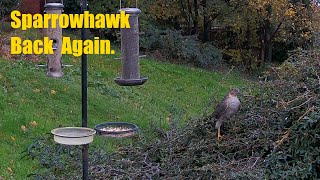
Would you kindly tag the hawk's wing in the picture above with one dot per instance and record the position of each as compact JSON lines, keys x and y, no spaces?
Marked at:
{"x":220,"y":109}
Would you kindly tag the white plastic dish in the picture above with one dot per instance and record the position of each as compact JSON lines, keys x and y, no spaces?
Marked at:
{"x":73,"y":135}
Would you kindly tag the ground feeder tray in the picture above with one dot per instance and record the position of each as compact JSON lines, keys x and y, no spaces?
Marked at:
{"x":116,"y":129}
{"x":130,"y":82}
{"x":73,"y":135}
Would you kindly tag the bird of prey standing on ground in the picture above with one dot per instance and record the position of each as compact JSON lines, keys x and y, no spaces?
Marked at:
{"x":229,"y":106}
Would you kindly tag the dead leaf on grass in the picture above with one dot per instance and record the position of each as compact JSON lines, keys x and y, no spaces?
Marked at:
{"x":24,"y":128}
{"x":9,"y":170}
{"x":13,"y":138}
{"x":33,"y":123}
{"x":54,"y":92}
{"x":36,"y":90}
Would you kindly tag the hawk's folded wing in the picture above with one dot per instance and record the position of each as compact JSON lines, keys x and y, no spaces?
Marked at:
{"x":220,"y":109}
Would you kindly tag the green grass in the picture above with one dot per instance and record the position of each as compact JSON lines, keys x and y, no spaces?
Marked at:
{"x":26,"y":96}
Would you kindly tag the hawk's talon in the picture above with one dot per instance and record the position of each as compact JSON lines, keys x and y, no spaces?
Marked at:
{"x":219,"y":136}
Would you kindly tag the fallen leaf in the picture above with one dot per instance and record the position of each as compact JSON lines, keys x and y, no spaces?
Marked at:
{"x":9,"y":170}
{"x":136,"y":105}
{"x":13,"y":139}
{"x":36,"y":90}
{"x":168,"y":118}
{"x":24,"y":128}
{"x":33,"y":123}
{"x":54,"y":92}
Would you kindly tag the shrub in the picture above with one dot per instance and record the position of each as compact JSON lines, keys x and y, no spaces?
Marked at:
{"x":297,"y":90}
{"x":7,"y":6}
{"x":181,"y":49}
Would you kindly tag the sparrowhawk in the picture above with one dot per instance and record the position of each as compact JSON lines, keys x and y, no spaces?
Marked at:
{"x":226,"y":108}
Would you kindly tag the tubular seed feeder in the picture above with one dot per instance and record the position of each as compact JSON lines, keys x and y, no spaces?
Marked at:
{"x":130,"y":77}
{"x":130,"y":50}
{"x":54,"y":61}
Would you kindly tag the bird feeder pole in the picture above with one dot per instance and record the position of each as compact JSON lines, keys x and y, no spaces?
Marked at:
{"x":84,"y":94}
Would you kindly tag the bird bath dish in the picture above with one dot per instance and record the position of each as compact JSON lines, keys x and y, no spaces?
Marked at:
{"x":73,"y":135}
{"x":116,"y":129}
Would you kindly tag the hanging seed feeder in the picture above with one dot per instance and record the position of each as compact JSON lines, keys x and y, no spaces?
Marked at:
{"x":73,"y":135}
{"x":54,"y":61}
{"x":117,"y":129}
{"x":130,"y":75}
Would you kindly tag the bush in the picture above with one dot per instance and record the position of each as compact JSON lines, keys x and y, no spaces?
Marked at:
{"x":181,"y":49}
{"x":297,"y":91}
{"x":7,"y":6}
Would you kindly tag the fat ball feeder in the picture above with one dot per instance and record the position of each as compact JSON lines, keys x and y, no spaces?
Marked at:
{"x":130,"y":76}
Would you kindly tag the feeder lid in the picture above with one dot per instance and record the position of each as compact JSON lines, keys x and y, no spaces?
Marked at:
{"x":131,"y":10}
{"x":54,"y":6}
{"x":130,"y":82}
{"x":116,"y":129}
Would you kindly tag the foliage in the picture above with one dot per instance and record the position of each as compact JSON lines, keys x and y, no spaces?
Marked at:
{"x":181,"y":49}
{"x":71,"y":6}
{"x":95,"y":7}
{"x":296,"y":152}
{"x":7,"y":6}
{"x":57,"y":158}
{"x":275,"y":135}
{"x":244,"y":58}
{"x":60,"y":159}
{"x":260,"y":24}
{"x":252,"y":28}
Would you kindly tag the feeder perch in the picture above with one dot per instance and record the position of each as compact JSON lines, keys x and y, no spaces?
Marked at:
{"x":54,"y":61}
{"x":116,"y":129}
{"x":130,"y":75}
{"x":73,"y":135}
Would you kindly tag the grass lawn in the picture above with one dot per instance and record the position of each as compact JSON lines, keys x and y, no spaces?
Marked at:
{"x":27,"y":97}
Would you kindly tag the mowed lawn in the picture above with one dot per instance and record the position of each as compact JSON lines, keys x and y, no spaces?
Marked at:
{"x":32,"y":104}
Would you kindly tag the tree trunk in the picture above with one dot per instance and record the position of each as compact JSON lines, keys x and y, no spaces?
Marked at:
{"x":266,"y":39}
{"x":268,"y":52}
{"x":184,"y":13}
{"x":206,"y":22}
{"x":268,"y":42}
{"x":196,"y":17}
{"x":190,"y":16}
{"x":266,"y":45}
{"x":262,"y":51}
